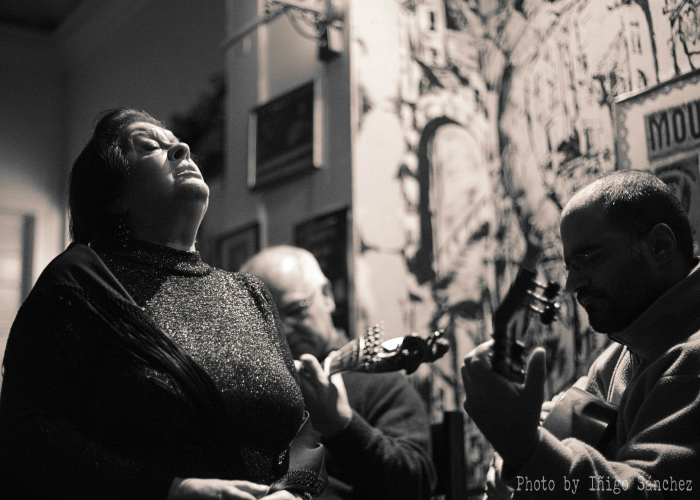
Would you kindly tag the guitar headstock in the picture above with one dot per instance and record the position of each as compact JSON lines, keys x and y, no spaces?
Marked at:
{"x":368,"y":353}
{"x":508,"y":323}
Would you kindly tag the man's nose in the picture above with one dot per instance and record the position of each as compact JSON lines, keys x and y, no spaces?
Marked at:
{"x":575,"y":280}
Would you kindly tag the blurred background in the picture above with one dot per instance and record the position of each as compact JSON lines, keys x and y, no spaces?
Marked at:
{"x":414,"y":146}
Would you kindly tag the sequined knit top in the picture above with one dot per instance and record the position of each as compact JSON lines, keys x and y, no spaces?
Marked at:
{"x":228,"y":324}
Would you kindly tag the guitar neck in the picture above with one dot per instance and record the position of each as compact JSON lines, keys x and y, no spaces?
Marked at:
{"x":346,"y":358}
{"x":507,"y":352}
{"x":367,"y":353}
{"x":357,"y":353}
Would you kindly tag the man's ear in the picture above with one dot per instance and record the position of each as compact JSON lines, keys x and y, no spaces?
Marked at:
{"x":328,"y":298}
{"x":662,"y":242}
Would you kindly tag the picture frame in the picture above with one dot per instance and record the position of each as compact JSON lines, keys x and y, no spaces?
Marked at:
{"x":285,"y":136}
{"x":236,"y":247}
{"x":327,"y":238}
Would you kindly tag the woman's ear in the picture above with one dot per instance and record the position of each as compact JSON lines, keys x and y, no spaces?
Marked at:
{"x":116,"y":206}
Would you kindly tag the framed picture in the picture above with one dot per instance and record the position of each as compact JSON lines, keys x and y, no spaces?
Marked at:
{"x":234,"y":248}
{"x":284,"y":136}
{"x":327,"y":238}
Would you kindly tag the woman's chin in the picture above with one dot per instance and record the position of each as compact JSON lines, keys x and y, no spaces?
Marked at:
{"x":193,"y":188}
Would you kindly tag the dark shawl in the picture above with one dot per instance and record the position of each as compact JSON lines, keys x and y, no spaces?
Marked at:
{"x":93,"y":392}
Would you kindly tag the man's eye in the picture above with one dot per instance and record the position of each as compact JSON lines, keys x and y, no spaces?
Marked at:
{"x":294,"y":312}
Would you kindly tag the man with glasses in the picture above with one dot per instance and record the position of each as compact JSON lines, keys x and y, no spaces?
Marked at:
{"x":373,"y":425}
{"x":629,"y":253}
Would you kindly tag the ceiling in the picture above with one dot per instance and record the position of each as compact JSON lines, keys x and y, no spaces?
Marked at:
{"x":40,"y":15}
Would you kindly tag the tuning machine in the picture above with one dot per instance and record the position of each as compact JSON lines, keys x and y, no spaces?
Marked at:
{"x":371,"y":342}
{"x":548,"y":306}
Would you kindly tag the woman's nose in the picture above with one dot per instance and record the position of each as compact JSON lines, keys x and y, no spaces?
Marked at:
{"x":179,"y":151}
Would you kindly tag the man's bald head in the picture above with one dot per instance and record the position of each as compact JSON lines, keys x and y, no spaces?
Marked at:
{"x":284,"y":268}
{"x":303,"y":294}
{"x":634,"y":201}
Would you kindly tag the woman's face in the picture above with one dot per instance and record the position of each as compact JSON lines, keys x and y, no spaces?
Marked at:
{"x":162,"y":175}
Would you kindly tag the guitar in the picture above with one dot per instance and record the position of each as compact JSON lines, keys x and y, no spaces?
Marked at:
{"x":367,"y":353}
{"x":577,"y":413}
{"x":509,"y":321}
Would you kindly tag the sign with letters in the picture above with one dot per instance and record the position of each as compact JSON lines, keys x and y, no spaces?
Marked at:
{"x":658,"y":129}
{"x":659,"y":124}
{"x":673,"y":129}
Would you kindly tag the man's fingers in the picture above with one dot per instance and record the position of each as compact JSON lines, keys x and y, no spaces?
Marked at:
{"x":313,"y":368}
{"x":535,"y":376}
{"x":476,"y":362}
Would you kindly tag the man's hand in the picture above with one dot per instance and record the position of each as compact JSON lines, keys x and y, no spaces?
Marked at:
{"x":325,"y":398}
{"x":496,"y":488}
{"x":506,"y":413}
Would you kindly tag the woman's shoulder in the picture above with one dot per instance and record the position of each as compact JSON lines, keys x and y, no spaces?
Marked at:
{"x":237,"y":278}
{"x":79,"y":267}
{"x":242,"y":281}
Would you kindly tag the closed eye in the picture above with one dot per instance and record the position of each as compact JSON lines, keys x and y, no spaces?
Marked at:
{"x":146,"y":144}
{"x":582,"y":260}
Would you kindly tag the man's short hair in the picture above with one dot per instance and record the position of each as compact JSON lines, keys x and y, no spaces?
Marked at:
{"x":635,"y":201}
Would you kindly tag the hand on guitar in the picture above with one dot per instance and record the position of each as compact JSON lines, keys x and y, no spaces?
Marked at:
{"x":325,"y":397}
{"x":507,"y":413}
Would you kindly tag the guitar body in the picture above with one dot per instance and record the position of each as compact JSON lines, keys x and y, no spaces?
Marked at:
{"x":581,"y":415}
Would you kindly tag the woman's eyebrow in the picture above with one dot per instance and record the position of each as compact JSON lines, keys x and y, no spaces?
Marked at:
{"x":152,"y":134}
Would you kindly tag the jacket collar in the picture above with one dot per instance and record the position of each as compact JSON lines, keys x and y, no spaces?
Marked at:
{"x":668,"y":321}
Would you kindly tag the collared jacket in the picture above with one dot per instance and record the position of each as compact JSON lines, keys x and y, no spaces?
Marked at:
{"x":652,"y":372}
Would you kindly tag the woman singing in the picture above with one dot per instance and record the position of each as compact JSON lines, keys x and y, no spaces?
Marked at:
{"x":135,"y":371}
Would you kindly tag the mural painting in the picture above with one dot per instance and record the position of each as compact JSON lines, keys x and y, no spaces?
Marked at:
{"x":506,"y":110}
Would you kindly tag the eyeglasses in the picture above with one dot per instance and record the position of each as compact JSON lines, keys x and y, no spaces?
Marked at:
{"x":298,"y":308}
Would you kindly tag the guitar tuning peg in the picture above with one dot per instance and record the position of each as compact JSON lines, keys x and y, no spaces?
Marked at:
{"x":552,"y":290}
{"x":547,"y":316}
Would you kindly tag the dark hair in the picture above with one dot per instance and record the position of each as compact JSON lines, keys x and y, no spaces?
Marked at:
{"x":635,"y":201}
{"x":99,"y":175}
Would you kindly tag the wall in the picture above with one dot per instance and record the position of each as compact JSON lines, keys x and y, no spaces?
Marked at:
{"x":477,"y":122}
{"x":32,"y":144}
{"x":32,"y":138}
{"x":155,"y":54}
{"x":272,"y":60}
